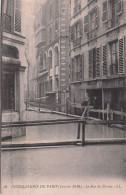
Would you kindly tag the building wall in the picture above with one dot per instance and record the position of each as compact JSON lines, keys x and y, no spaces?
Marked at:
{"x":103,"y":33}
{"x":13,"y":62}
{"x":54,"y":25}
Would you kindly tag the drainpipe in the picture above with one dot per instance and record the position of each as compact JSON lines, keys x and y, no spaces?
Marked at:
{"x":0,"y":83}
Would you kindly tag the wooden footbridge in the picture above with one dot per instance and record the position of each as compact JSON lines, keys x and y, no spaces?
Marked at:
{"x":79,"y":141}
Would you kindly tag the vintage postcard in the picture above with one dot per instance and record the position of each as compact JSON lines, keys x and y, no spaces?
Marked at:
{"x":63,"y":97}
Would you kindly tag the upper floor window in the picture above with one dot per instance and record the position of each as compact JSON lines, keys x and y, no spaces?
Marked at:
{"x":91,"y":23}
{"x":104,"y":11}
{"x":77,"y":6}
{"x":17,"y":17}
{"x":110,"y":12}
{"x":94,"y":63}
{"x":114,"y":58}
{"x":76,"y":32}
{"x":77,"y":68}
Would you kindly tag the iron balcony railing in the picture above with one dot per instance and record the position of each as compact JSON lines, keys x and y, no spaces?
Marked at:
{"x":6,"y":23}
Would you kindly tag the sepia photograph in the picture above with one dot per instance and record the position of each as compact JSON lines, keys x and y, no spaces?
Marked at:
{"x":62,"y":97}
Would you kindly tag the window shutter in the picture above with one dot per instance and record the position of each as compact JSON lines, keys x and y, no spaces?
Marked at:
{"x":119,"y":6}
{"x":98,"y":62}
{"x":105,"y":52}
{"x":91,"y":63}
{"x":104,"y":12}
{"x":121,"y":56}
{"x":17,"y":21}
{"x":86,"y":24}
{"x":72,"y":33}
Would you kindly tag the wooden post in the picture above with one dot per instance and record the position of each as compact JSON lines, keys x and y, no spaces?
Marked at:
{"x":83,"y":134}
{"x":78,"y":133}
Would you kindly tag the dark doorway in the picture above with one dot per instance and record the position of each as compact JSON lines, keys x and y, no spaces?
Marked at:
{"x":95,"y":98}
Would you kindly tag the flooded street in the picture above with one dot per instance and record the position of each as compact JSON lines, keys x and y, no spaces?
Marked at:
{"x":66,"y":165}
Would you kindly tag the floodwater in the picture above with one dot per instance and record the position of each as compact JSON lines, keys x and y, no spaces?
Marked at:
{"x":71,"y":170}
{"x":65,"y":131}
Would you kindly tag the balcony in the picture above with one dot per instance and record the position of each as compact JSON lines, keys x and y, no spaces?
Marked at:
{"x":77,"y":8}
{"x":6,"y":23}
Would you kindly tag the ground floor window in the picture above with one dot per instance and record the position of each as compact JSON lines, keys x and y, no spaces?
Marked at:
{"x":8,"y":92}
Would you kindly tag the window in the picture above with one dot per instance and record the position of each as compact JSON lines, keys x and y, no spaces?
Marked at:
{"x":7,"y":15}
{"x":8,"y":95}
{"x":77,"y":6}
{"x":77,"y":68}
{"x":91,"y":23}
{"x":17,"y":16}
{"x":94,"y":63}
{"x":117,"y":57}
{"x":104,"y":12}
{"x":115,"y":11}
{"x":86,"y":24}
{"x":76,"y":33}
{"x":114,"y":58}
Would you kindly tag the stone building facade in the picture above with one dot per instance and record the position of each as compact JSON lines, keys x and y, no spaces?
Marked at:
{"x":52,"y":45}
{"x":14,"y":64}
{"x":98,"y":53}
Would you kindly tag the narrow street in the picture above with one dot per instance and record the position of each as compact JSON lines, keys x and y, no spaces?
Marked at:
{"x":64,"y":166}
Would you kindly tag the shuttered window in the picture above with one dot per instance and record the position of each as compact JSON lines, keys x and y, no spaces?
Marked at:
{"x":90,"y":63}
{"x":18,"y":16}
{"x":86,"y":24}
{"x":98,"y":62}
{"x":104,"y":12}
{"x":119,"y":6}
{"x":121,"y":56}
{"x":105,"y":71}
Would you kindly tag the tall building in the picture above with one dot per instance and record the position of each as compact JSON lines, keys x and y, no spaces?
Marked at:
{"x":97,"y":52}
{"x":52,"y":45}
{"x":14,"y":64}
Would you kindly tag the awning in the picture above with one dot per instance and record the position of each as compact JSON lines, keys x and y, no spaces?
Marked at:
{"x":10,"y":61}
